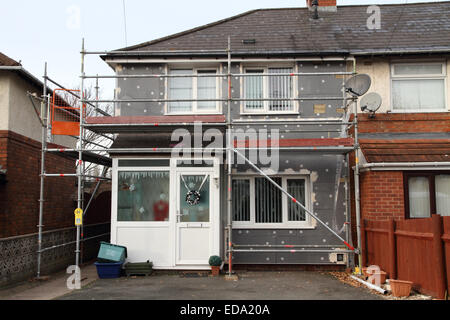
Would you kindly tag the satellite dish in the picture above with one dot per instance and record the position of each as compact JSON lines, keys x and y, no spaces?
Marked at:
{"x":358,"y":85}
{"x":371,"y":102}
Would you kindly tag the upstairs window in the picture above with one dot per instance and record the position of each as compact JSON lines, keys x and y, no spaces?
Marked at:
{"x":203,"y":87}
{"x":418,"y":87}
{"x":278,"y":90}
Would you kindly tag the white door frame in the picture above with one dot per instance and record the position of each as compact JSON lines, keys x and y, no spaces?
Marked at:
{"x":214,"y":223}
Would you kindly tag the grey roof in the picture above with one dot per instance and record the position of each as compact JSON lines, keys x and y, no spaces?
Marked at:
{"x":405,"y":28}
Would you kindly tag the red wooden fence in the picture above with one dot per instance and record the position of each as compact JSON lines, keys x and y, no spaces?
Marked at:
{"x":416,"y":250}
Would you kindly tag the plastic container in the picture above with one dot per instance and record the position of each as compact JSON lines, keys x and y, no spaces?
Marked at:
{"x":140,"y":268}
{"x":111,"y":253}
{"x":400,"y":288}
{"x":109,"y":270}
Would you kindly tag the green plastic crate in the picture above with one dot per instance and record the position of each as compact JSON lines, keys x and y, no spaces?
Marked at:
{"x":111,"y":253}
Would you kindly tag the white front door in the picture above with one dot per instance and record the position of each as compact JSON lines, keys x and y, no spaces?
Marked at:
{"x":197,"y":214}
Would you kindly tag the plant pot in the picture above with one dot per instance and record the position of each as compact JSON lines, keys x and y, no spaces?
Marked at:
{"x":400,"y":288}
{"x":215,"y":270}
{"x":380,"y":274}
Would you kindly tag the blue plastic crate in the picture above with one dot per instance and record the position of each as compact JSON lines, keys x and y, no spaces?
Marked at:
{"x":109,"y":270}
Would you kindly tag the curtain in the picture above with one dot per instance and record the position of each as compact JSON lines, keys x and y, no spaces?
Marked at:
{"x":180,"y":88}
{"x":280,"y":87}
{"x":268,"y":201}
{"x":443,"y":195}
{"x":254,"y":89}
{"x":241,"y":200}
{"x":206,"y":89}
{"x":419,"y":197}
{"x":296,"y":187}
{"x":424,"y":94}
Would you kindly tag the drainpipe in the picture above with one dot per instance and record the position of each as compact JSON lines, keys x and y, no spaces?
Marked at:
{"x":357,"y":192}
{"x":229,"y":199}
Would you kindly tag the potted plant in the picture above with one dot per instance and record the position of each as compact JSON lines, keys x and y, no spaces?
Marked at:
{"x":215,"y":262}
{"x":400,"y":288}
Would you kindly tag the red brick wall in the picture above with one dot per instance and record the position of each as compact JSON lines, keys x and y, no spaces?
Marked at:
{"x":19,"y":206}
{"x":382,"y":195}
{"x":404,"y":122}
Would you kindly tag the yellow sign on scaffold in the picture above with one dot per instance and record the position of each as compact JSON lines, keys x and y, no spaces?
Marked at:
{"x":78,"y":217}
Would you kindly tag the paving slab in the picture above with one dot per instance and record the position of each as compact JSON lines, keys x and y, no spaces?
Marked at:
{"x":53,"y":287}
{"x":301,"y":285}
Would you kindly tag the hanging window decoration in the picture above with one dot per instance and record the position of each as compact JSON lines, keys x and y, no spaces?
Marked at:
{"x":193,"y":197}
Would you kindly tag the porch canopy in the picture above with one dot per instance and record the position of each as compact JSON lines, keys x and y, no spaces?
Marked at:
{"x":405,"y":147}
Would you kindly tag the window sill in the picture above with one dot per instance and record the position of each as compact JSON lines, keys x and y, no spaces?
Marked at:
{"x":273,"y":226}
{"x":269,"y":113}
{"x":420,"y":111}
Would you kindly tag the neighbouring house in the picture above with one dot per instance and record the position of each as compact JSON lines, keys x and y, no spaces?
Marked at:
{"x":287,"y":76}
{"x":20,"y":169}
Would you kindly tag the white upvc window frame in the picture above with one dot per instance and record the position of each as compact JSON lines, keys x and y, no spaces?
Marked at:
{"x":115,"y":223}
{"x":442,"y":76}
{"x":266,"y":104}
{"x":307,"y":224}
{"x":194,"y":104}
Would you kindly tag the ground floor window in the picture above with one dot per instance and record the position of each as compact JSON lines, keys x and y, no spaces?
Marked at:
{"x":427,"y":193}
{"x":257,"y":202}
{"x":143,"y":196}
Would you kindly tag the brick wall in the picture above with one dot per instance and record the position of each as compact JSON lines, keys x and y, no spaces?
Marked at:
{"x":19,"y":206}
{"x":404,"y":122}
{"x":382,"y":195}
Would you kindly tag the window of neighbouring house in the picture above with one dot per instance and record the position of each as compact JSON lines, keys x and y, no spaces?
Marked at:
{"x":277,"y":89}
{"x":418,"y":87}
{"x":202,"y":87}
{"x":143,"y":196}
{"x":258,"y":203}
{"x":427,"y":193}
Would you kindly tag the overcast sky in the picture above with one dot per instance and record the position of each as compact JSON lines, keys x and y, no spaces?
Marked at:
{"x":51,"y":30}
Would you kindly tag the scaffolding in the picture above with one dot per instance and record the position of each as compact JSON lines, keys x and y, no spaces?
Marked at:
{"x":52,"y":105}
{"x":345,"y":123}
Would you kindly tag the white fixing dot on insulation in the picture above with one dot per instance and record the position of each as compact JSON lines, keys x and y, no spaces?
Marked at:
{"x":124,"y":79}
{"x":145,"y":110}
{"x":302,"y":89}
{"x":282,"y":136}
{"x":324,"y":240}
{"x":331,"y":196}
{"x":248,"y":232}
{"x":287,"y":161}
{"x":322,"y":258}
{"x":290,"y":231}
{"x":138,"y":87}
{"x":315,"y":67}
{"x":159,"y":103}
{"x":152,"y":93}
{"x":282,"y":242}
{"x":267,"y":259}
{"x":327,"y":170}
{"x":323,"y":81}
{"x":301,"y":231}
{"x":265,"y":126}
{"x":282,"y":259}
{"x":267,"y":243}
{"x":239,"y":231}
{"x":274,"y":232}
{"x":129,"y":104}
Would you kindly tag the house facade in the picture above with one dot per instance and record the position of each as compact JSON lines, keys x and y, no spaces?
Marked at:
{"x":20,"y":170}
{"x":277,"y":78}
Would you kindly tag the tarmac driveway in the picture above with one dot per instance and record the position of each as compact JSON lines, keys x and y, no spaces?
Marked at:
{"x":250,"y":286}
